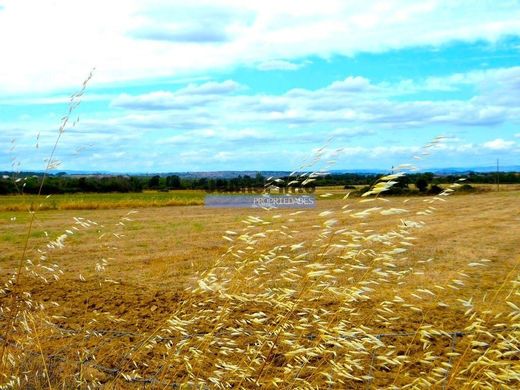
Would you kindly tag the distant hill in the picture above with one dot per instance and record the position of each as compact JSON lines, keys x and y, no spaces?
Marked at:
{"x":451,"y":171}
{"x":234,"y":174}
{"x":226,"y":174}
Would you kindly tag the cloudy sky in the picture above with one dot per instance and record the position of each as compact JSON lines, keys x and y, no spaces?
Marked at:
{"x":259,"y":85}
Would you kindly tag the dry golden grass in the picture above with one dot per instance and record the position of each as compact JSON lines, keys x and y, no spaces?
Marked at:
{"x":272,"y":315}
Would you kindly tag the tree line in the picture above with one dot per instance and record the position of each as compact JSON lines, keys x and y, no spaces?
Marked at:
{"x":29,"y":183}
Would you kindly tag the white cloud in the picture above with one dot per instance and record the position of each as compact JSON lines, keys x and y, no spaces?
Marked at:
{"x":185,"y":98}
{"x":47,"y":100}
{"x":51,"y":45}
{"x":211,"y":88}
{"x":354,"y":101}
{"x":181,"y":34}
{"x":233,"y":120}
{"x":351,"y":84}
{"x":499,"y":144}
{"x":351,"y":132}
{"x":220,"y":136}
{"x":159,"y":100}
{"x":506,"y":80}
{"x":279,"y":65}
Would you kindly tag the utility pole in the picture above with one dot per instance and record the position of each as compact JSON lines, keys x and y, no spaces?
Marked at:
{"x":498,"y":176}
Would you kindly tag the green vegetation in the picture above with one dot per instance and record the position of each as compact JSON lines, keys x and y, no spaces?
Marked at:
{"x":61,"y":183}
{"x":101,"y":201}
{"x":102,"y":192}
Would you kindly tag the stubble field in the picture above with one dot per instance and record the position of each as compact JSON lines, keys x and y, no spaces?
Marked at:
{"x":420,"y":292}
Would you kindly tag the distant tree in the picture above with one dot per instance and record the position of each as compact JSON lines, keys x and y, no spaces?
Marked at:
{"x":173,"y":182}
{"x":82,"y":184}
{"x":136,"y":184}
{"x":423,"y":180}
{"x":202,"y":183}
{"x":259,"y":180}
{"x":247,"y":181}
{"x":6,"y":186}
{"x":401,"y":187}
{"x":422,"y":184}
{"x":221,"y":184}
{"x":154,"y":182}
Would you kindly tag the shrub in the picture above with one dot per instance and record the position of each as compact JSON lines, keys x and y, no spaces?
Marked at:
{"x":467,"y":188}
{"x":434,"y":190}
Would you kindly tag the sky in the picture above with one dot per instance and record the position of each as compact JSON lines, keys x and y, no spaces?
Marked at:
{"x":259,"y":85}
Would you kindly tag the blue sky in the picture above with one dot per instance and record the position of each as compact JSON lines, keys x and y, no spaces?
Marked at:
{"x":233,"y":85}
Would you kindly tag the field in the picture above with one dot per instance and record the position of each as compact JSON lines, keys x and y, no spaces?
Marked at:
{"x":101,"y":201}
{"x":399,"y":292}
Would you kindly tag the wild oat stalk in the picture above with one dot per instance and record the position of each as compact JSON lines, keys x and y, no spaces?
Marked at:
{"x":74,"y":102}
{"x":256,"y":318}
